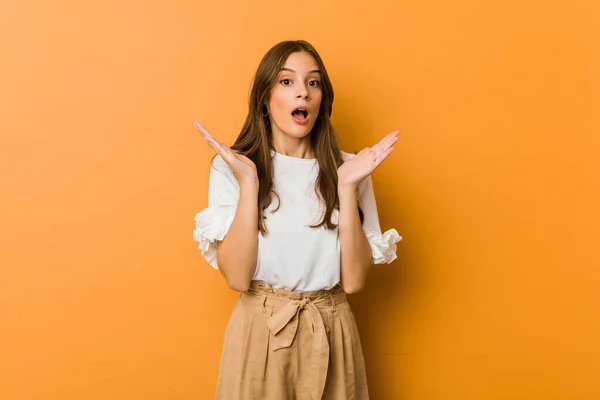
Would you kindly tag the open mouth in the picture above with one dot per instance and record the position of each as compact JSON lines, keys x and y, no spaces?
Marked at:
{"x":300,"y":114}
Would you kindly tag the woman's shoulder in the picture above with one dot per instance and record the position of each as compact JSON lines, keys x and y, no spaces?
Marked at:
{"x":217,"y":161}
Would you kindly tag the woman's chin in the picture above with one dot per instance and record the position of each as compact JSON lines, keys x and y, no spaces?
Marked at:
{"x":295,"y":130}
{"x":298,"y":131}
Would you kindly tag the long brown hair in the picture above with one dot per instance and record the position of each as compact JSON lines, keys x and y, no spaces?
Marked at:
{"x":255,"y":140}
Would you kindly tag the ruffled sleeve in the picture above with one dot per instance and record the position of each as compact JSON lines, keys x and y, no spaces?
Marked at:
{"x":383,"y":245}
{"x":213,"y":222}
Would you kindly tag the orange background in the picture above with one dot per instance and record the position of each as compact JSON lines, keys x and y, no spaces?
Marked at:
{"x":493,"y":185}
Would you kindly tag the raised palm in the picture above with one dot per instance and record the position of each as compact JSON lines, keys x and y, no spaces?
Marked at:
{"x":354,"y":170}
{"x":242,"y":166}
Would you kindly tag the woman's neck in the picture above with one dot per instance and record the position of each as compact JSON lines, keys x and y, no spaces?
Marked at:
{"x":297,"y":149}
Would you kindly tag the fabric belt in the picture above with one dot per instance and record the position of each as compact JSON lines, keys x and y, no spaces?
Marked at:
{"x":283,"y":324}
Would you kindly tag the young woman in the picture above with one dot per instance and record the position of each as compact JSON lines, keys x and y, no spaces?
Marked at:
{"x":292,"y":224}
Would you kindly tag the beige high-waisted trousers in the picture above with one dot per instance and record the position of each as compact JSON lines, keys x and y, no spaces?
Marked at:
{"x":283,"y":345}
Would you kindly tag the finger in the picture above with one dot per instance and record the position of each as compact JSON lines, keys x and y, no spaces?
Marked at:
{"x":391,"y":138}
{"x":215,"y":146}
{"x":208,"y":137}
{"x":385,"y":145}
{"x":201,"y":128}
{"x":205,"y":133}
{"x":387,"y":141}
{"x":383,"y":156}
{"x":213,"y":143}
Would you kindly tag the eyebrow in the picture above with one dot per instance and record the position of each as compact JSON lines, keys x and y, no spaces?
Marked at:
{"x":310,"y":72}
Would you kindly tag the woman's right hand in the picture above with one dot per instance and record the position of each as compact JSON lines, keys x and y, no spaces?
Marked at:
{"x":243,"y":168}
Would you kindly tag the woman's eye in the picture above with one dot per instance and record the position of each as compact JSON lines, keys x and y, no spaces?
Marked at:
{"x":315,"y":83}
{"x":285,"y":82}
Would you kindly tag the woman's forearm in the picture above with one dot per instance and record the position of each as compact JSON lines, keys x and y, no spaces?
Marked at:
{"x":237,"y":252}
{"x":356,"y":255}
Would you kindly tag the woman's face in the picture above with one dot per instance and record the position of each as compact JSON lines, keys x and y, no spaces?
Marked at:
{"x":298,"y":86}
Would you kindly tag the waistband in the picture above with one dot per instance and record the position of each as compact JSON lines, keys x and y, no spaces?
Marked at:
{"x":278,"y":296}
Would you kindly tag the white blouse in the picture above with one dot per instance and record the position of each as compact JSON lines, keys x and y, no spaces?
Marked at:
{"x":292,"y":255}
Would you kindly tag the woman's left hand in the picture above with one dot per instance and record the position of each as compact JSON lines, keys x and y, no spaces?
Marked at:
{"x":354,"y":170}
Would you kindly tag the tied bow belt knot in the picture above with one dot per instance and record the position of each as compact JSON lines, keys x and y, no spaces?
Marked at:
{"x":283,"y":324}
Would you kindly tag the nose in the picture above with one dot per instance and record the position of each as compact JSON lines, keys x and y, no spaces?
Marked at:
{"x":302,"y":93}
